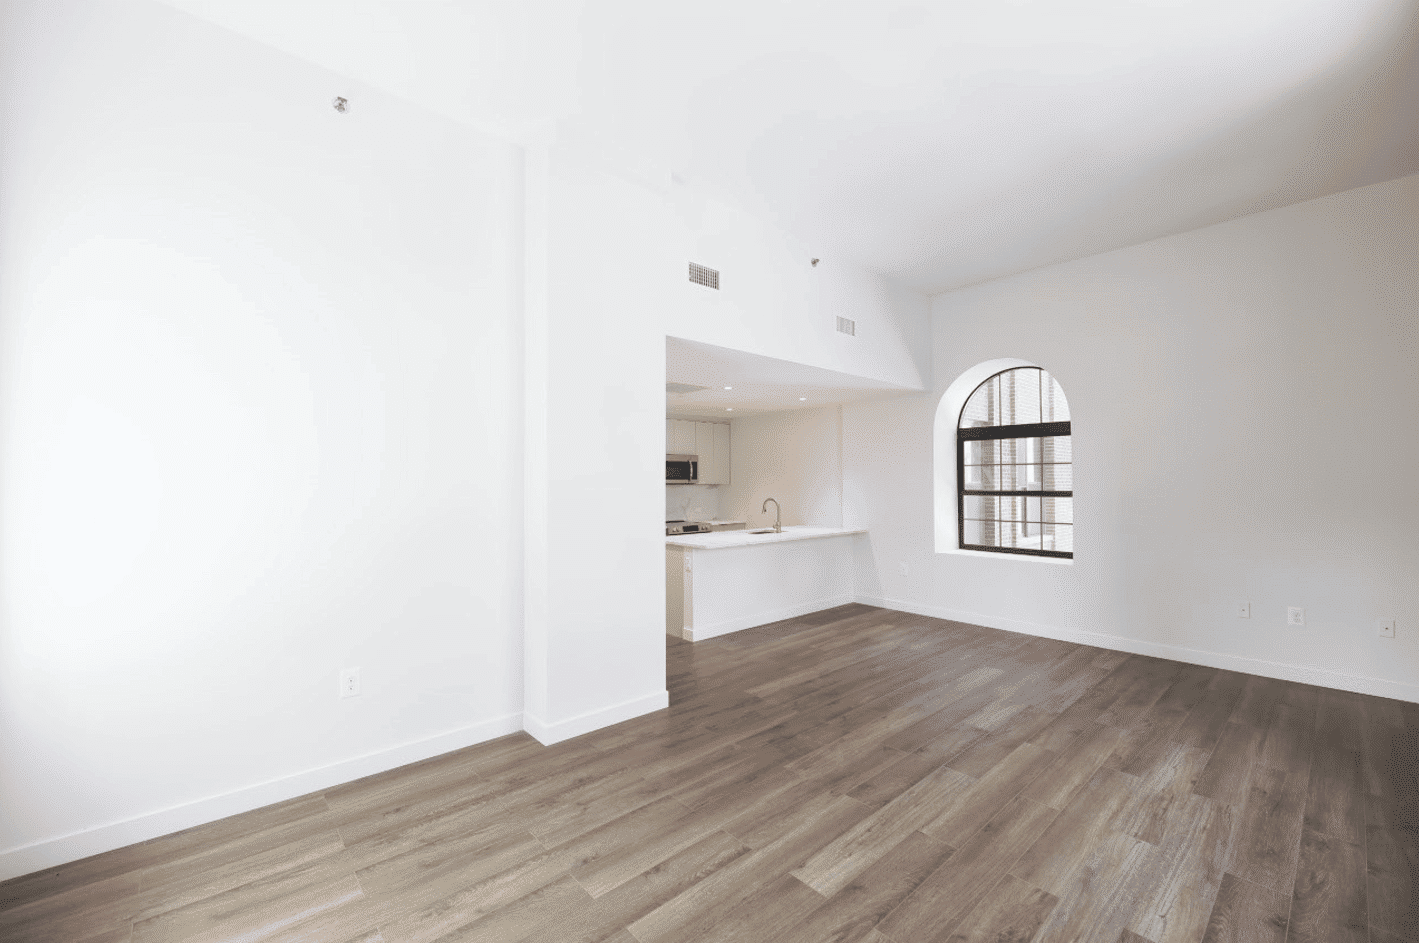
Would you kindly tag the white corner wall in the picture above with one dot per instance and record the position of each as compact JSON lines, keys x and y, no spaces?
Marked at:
{"x":794,"y":456}
{"x":260,"y":411}
{"x":600,"y":268}
{"x":1244,"y":430}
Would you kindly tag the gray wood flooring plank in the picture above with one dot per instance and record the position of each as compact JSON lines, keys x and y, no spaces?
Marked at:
{"x":855,"y":776}
{"x":1246,"y":913}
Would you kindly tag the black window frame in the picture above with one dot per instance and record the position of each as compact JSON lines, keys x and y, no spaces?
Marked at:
{"x":1021,"y":431}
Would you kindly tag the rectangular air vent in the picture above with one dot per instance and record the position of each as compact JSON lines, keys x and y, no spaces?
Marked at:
{"x":847,"y":326}
{"x":703,"y":275}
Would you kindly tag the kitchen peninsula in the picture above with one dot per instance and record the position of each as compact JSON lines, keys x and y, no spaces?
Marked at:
{"x":731,"y":580}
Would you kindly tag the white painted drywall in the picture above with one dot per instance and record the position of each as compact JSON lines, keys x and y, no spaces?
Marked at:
{"x":259,"y":421}
{"x":1244,"y":430}
{"x":595,"y":542}
{"x":793,"y":456}
{"x":773,"y":301}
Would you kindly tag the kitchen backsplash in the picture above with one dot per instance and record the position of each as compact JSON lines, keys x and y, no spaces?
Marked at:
{"x":691,"y":502}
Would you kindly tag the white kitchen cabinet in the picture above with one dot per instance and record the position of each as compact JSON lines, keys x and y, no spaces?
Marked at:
{"x":720,"y":469}
{"x":704,"y":448}
{"x":681,"y":438}
{"x":708,"y":440}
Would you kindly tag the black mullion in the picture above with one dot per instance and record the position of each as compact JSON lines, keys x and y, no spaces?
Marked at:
{"x":1029,"y":430}
{"x":961,"y":491}
{"x":1061,"y":554}
{"x":1019,"y":493}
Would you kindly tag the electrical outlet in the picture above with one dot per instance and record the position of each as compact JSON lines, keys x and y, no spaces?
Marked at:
{"x":902,"y":568}
{"x":1387,"y":628}
{"x":350,"y":682}
{"x":1244,"y":610}
{"x":1295,"y":615}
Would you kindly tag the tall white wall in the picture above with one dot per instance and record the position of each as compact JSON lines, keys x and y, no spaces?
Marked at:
{"x":600,"y":268}
{"x":1244,"y":430}
{"x":794,"y":456}
{"x":773,"y":301}
{"x":260,"y":394}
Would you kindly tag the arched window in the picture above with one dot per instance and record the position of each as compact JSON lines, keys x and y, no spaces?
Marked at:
{"x":1015,"y":482}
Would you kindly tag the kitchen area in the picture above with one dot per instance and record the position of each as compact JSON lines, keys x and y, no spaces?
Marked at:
{"x":754,"y":528}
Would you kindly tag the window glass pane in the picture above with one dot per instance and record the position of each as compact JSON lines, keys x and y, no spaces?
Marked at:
{"x":1057,"y":448}
{"x":980,"y":508}
{"x":1054,"y":408}
{"x":982,"y":533}
{"x":1059,"y":537}
{"x":1032,"y":510}
{"x":1059,"y":478}
{"x":1059,"y":510}
{"x":982,"y":451}
{"x":1020,"y":395}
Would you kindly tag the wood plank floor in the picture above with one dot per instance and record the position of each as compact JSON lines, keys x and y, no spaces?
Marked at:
{"x":854,"y":775}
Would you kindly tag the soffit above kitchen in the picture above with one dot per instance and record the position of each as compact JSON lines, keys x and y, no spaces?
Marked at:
{"x":696,"y":376}
{"x":940,"y":144}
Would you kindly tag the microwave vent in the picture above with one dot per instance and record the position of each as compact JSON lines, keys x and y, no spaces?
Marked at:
{"x":847,"y":326}
{"x":704,"y":275}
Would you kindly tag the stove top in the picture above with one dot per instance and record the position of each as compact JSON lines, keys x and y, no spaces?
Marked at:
{"x":673,"y":528}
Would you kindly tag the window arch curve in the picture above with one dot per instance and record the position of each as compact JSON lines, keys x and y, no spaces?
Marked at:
{"x":1004,"y":473}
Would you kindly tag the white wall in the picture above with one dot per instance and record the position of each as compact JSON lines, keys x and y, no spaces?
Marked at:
{"x":600,"y":270}
{"x":772,"y":301}
{"x":1244,"y":430}
{"x":259,"y":421}
{"x":794,"y":456}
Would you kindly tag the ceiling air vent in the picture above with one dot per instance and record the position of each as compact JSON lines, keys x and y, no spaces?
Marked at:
{"x":847,"y":326}
{"x":703,"y":275}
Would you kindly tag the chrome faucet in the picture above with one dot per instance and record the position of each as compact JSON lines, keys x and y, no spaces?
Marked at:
{"x":778,"y":517}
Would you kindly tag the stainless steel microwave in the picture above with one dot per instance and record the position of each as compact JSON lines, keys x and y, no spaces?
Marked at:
{"x":682,"y":469}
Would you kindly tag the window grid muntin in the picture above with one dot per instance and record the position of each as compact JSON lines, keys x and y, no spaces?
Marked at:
{"x":1006,"y":442}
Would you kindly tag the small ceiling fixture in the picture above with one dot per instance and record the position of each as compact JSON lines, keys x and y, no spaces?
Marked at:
{"x":803,"y":399}
{"x":729,"y":409}
{"x":815,"y":263}
{"x":729,"y":387}
{"x":340,"y":104}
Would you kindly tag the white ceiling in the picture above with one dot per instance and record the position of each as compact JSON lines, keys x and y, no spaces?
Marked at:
{"x":759,"y":384}
{"x":939,"y":143}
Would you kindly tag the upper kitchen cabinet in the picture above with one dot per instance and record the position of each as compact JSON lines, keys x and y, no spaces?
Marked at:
{"x":708,"y":440}
{"x":720,"y":468}
{"x":680,"y":437}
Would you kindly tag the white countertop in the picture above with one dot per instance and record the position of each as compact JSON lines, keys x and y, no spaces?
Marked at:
{"x":743,"y":538}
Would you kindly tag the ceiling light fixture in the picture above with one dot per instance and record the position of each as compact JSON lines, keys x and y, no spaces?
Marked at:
{"x":803,"y":399}
{"x":729,"y":409}
{"x":729,"y":387}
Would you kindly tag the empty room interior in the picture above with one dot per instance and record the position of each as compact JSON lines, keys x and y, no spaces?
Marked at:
{"x":340,"y":345}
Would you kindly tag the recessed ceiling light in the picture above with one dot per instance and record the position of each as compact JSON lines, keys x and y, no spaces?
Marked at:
{"x":729,"y":387}
{"x":803,"y":399}
{"x":729,"y":409}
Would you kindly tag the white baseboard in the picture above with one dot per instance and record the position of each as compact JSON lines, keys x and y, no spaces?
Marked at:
{"x":699,"y":634}
{"x":1282,"y":671}
{"x":550,"y":733}
{"x":37,"y":856}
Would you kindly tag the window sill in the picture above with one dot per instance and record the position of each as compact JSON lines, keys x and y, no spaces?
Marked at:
{"x":985,"y":554}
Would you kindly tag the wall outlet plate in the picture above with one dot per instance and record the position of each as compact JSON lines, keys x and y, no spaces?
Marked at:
{"x":1244,"y":610}
{"x":350,"y":682}
{"x":1387,"y":627}
{"x":1295,"y":615}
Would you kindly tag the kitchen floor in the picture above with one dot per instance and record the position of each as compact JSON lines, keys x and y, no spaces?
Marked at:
{"x":853,"y":775}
